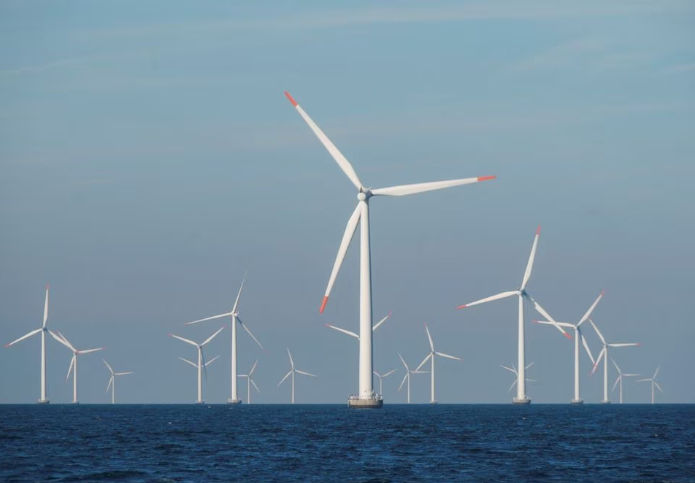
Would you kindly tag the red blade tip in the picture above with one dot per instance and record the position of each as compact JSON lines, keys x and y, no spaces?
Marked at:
{"x":603,"y":292}
{"x":323,"y":304}
{"x":462,"y":306}
{"x":7,"y":345}
{"x":567,"y":335}
{"x":538,"y":230}
{"x":291,"y":99}
{"x":485,"y":178}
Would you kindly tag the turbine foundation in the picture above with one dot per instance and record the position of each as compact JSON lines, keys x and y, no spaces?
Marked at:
{"x":576,"y":401}
{"x":521,"y":401}
{"x":233,"y":401}
{"x":374,"y":402}
{"x":42,"y":401}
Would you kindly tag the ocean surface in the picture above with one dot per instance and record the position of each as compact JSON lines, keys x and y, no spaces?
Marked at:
{"x":332,"y":442}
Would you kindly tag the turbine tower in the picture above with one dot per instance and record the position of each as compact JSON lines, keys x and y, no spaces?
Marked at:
{"x":381,"y":378}
{"x":42,"y":330}
{"x":619,"y":379}
{"x":431,"y":357}
{"x":578,"y":335}
{"x":652,"y":381}
{"x":73,"y":362}
{"x":522,"y":294}
{"x":516,"y":374}
{"x":112,"y":380}
{"x":406,"y":378}
{"x":366,"y":397}
{"x":234,"y":314}
{"x":201,"y":359}
{"x":249,"y":381}
{"x":292,"y":373}
{"x":604,"y":355}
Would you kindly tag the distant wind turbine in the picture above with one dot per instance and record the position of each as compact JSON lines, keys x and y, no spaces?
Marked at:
{"x":431,"y":357}
{"x":43,"y":329}
{"x":381,"y":378}
{"x":522,"y":294}
{"x":619,"y":379}
{"x":604,"y":355}
{"x":249,"y":382}
{"x":292,"y":372}
{"x":514,"y":371}
{"x":652,"y":381}
{"x":201,"y":359}
{"x":406,"y":378}
{"x":112,"y":380}
{"x":366,"y":397}
{"x":73,"y":362}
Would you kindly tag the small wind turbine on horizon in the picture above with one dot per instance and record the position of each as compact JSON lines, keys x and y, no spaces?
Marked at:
{"x":201,"y":359}
{"x":604,"y":355}
{"x":514,"y":371}
{"x":619,"y":379}
{"x":249,"y":382}
{"x":112,"y":380}
{"x":292,"y":372}
{"x":234,"y":314}
{"x":652,"y":381}
{"x":522,"y":293}
{"x":431,"y":357}
{"x":381,"y":378}
{"x":43,"y":329}
{"x":406,"y":378}
{"x":73,"y":362}
{"x":366,"y":397}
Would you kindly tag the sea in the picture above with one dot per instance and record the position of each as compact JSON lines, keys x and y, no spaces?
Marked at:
{"x":645,"y":443}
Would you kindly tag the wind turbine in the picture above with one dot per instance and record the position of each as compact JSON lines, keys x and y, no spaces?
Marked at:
{"x":430,"y":357}
{"x":112,"y":380}
{"x":292,"y":373}
{"x":604,"y":355}
{"x":201,"y":359}
{"x":366,"y":397}
{"x":406,"y":378}
{"x":234,"y":314}
{"x":381,"y":379}
{"x":578,"y":335}
{"x":42,"y":330}
{"x":73,"y":362}
{"x":652,"y":381}
{"x":619,"y":379}
{"x":522,"y":294}
{"x":516,"y":374}
{"x":249,"y":381}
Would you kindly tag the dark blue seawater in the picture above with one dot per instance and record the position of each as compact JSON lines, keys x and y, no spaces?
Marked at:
{"x":331,"y":442}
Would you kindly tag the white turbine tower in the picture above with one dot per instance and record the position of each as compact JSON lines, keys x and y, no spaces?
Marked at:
{"x":381,"y":379}
{"x":42,"y":330}
{"x":366,"y":397}
{"x":578,"y":335}
{"x":406,"y":378}
{"x":652,"y":381}
{"x":431,"y":357}
{"x":604,"y":355}
{"x":234,"y":314}
{"x":112,"y":380}
{"x":619,"y":379}
{"x":249,"y":382}
{"x":516,"y":374}
{"x":292,"y":373}
{"x":201,"y":359}
{"x":73,"y":362}
{"x":521,"y":294}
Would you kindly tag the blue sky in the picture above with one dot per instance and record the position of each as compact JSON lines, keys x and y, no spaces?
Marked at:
{"x":149,"y":159}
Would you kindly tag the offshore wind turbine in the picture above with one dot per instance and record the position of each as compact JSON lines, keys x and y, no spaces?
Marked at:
{"x":619,"y":379}
{"x":431,"y":357}
{"x":516,"y":374}
{"x":112,"y":380}
{"x":652,"y":381}
{"x":201,"y":359}
{"x":604,"y":355}
{"x":234,"y":314}
{"x":381,"y":378}
{"x":522,"y":294}
{"x":366,"y":397}
{"x":578,"y":335}
{"x":406,"y":378}
{"x":249,"y":381}
{"x":292,"y":372}
{"x":73,"y":362}
{"x":43,"y":329}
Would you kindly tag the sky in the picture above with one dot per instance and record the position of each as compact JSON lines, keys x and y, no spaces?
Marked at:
{"x":149,"y":159}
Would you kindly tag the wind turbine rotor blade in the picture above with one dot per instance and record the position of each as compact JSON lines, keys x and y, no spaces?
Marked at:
{"x":344,"y":331}
{"x":248,"y":331}
{"x":291,"y":360}
{"x":212,"y":336}
{"x":441,"y":354}
{"x":123,"y":373}
{"x":530,"y":365}
{"x":26,"y":336}
{"x":61,"y":338}
{"x":376,"y":326}
{"x":429,"y":338}
{"x":561,"y":324}
{"x":623,"y":344}
{"x":532,"y":256}
{"x":72,"y":363}
{"x":658,"y":387}
{"x":427,"y":358}
{"x":87,"y":351}
{"x":643,"y":380}
{"x":108,"y":386}
{"x":253,"y":383}
{"x":586,"y":348}
{"x":403,"y":381}
{"x":283,"y":379}
{"x":238,"y":296}
{"x":598,"y":332}
{"x":342,"y":250}
{"x":601,"y":355}
{"x":305,"y":373}
{"x":591,"y":309}
{"x":513,"y":371}
{"x":212,"y":360}
{"x":656,"y":372}
{"x":512,"y":386}
{"x":187,"y":341}
{"x":411,"y":189}
{"x":108,"y":366}
{"x":45,"y":308}
{"x":227,"y":314}
{"x":253,"y":368}
{"x":617,"y":379}
{"x":389,"y":373}
{"x":330,"y":147}
{"x":490,"y":299}
{"x":545,"y":314}
{"x":630,"y":375}
{"x":189,"y":362}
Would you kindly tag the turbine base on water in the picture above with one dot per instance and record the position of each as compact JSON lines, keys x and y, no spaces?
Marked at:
{"x":42,"y":401}
{"x":605,"y":402}
{"x":576,"y":401}
{"x":524,"y":400}
{"x":233,"y":401}
{"x":375,"y":402}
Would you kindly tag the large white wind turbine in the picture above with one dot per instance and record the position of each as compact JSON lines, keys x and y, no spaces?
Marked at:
{"x":201,"y":359}
{"x":42,"y":330}
{"x":619,"y":379}
{"x":652,"y":381}
{"x":292,"y":373}
{"x":406,"y":378}
{"x":366,"y":396}
{"x":604,"y":355}
{"x":73,"y":362}
{"x":430,"y":357}
{"x":112,"y":380}
{"x":381,"y":378}
{"x":578,"y":335}
{"x":516,"y":374}
{"x":234,"y":314}
{"x":249,"y":382}
{"x":522,"y":293}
